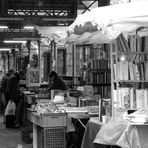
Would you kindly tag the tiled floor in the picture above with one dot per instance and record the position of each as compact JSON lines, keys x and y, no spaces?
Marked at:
{"x":11,"y":138}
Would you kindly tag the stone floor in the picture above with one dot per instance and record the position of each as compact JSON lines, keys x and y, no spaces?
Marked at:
{"x":11,"y":138}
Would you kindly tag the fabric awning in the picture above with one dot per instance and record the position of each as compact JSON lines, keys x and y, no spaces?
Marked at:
{"x":58,"y":34}
{"x":109,"y":22}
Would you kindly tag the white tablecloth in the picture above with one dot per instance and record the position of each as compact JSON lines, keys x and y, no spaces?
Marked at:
{"x":123,"y":134}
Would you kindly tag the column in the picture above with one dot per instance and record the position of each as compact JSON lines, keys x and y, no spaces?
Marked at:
{"x":28,"y":47}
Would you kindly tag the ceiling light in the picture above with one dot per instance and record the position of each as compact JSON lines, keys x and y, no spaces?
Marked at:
{"x":3,"y":27}
{"x":11,"y":18}
{"x":5,"y":49}
{"x":28,"y":27}
{"x":11,"y":41}
{"x":58,"y":19}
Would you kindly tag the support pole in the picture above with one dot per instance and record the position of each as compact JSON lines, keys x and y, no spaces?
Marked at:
{"x":3,"y":7}
{"x":39,"y":53}
{"x":20,"y":56}
{"x":55,"y":56}
{"x":8,"y":56}
{"x":74,"y":63}
{"x":28,"y":46}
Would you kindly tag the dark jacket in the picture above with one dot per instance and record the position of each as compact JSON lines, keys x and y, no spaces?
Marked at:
{"x":4,"y":81}
{"x":58,"y":83}
{"x":12,"y":88}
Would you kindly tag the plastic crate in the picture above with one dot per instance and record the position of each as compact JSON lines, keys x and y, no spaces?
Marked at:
{"x":51,"y":137}
{"x":49,"y":119}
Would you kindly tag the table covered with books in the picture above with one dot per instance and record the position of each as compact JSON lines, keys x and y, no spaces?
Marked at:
{"x":48,"y":118}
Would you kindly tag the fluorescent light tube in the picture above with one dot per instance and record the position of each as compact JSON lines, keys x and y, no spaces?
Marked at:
{"x":3,"y":27}
{"x":5,"y":49}
{"x":11,"y":18}
{"x":28,"y":27}
{"x":11,"y":41}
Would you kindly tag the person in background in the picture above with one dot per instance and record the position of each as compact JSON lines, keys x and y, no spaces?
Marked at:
{"x":3,"y":89}
{"x":3,"y":94}
{"x":20,"y":103}
{"x":12,"y":89}
{"x":55,"y":82}
{"x":17,"y":100}
{"x":22,"y":75}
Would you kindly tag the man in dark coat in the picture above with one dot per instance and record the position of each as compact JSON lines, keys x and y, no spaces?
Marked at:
{"x":3,"y":89}
{"x":12,"y":92}
{"x":12,"y":87}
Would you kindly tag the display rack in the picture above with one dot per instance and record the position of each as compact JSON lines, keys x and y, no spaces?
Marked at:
{"x":129,"y":74}
{"x":33,"y":76}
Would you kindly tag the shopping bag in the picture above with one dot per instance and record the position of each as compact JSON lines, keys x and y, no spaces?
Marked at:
{"x":10,"y":108}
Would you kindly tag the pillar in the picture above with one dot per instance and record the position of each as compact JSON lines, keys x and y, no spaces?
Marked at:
{"x":28,"y":47}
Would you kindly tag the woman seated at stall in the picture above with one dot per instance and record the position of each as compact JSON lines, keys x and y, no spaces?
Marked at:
{"x":55,"y":82}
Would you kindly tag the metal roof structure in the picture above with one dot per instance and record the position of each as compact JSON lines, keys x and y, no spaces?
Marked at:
{"x":18,"y":13}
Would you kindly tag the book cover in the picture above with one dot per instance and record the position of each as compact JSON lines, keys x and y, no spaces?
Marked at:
{"x":139,"y":98}
{"x":141,"y":70}
{"x":123,"y":70}
{"x":136,"y":72}
{"x":120,"y":70}
{"x":125,"y":97}
{"x":146,"y":70}
{"x":145,"y":101}
{"x":115,"y":98}
{"x":132,"y":98}
{"x":131,"y":71}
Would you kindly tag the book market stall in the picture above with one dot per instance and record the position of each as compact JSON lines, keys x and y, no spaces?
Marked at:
{"x":127,"y":35}
{"x":55,"y":123}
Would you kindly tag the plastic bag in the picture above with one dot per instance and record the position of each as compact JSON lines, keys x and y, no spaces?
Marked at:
{"x":10,"y":109}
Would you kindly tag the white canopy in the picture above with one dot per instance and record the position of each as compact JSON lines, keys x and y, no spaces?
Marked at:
{"x":58,"y":34}
{"x":104,"y":24}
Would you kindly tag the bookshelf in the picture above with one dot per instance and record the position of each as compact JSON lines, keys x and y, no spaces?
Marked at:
{"x":71,"y":82}
{"x":129,"y":73}
{"x":98,"y":75}
{"x":95,"y":68}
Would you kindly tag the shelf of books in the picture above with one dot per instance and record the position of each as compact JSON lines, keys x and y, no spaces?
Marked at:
{"x":129,"y":72}
{"x":99,"y":76}
{"x":95,"y":68}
